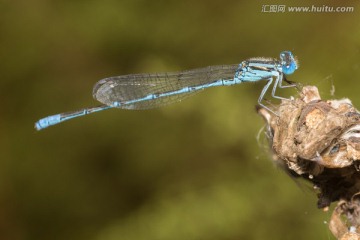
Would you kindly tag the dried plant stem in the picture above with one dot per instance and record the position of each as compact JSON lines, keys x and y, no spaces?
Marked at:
{"x":319,"y":140}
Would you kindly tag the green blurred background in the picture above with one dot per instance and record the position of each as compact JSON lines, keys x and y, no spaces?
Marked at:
{"x":192,"y":170}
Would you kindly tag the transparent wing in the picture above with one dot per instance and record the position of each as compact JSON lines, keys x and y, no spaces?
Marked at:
{"x":125,"y":89}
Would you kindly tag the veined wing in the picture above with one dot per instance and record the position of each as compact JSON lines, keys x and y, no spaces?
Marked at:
{"x":144,"y":91}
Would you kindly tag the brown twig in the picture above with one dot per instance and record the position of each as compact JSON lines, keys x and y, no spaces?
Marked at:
{"x":319,"y":141}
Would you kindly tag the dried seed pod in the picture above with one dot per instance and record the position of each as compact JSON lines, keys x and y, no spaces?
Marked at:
{"x":319,"y":140}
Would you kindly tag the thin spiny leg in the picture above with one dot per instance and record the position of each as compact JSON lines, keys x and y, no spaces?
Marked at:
{"x":278,"y":80}
{"x":266,"y":87}
{"x":291,"y":84}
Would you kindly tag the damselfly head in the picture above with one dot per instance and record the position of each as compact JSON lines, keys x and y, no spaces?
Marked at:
{"x":288,"y":62}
